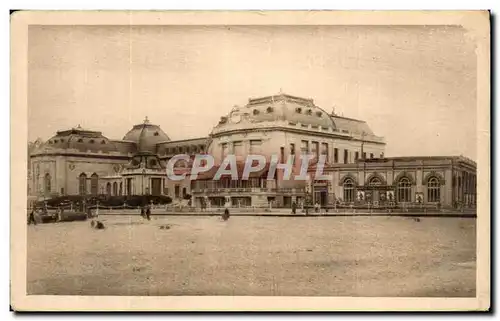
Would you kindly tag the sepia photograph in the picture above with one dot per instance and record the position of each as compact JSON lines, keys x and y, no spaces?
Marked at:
{"x":309,"y":157}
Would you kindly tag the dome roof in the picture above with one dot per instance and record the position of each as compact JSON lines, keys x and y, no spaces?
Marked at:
{"x":282,"y":107}
{"x":146,"y":136}
{"x":82,"y":140}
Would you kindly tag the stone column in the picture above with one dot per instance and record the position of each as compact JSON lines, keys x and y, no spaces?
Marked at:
{"x":447,"y":188}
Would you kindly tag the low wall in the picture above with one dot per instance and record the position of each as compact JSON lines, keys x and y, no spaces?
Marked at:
{"x":299,"y":213}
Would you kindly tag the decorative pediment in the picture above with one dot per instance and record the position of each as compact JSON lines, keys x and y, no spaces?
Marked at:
{"x":346,"y":177}
{"x":432,"y":174}
{"x":402,"y":175}
{"x":376,"y":175}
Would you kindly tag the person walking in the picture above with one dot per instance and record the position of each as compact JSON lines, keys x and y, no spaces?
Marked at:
{"x":31,"y":218}
{"x":226,"y":214}
{"x":148,"y":212}
{"x":294,"y":207}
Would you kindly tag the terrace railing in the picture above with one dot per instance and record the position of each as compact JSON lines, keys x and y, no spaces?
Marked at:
{"x":237,"y":190}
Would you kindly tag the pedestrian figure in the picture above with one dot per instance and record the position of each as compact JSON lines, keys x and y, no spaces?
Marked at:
{"x":316,"y":207}
{"x":31,"y":218}
{"x":226,"y":214}
{"x":148,"y":213}
{"x":59,"y":215}
{"x":142,"y":211}
{"x":294,"y":207}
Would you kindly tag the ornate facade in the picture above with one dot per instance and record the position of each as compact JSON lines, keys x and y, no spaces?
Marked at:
{"x":85,"y":162}
{"x":447,"y":181}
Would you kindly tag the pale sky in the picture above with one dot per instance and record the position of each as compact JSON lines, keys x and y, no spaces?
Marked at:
{"x":416,"y":86}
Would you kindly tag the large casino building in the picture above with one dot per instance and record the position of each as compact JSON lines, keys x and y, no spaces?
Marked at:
{"x":80,"y":161}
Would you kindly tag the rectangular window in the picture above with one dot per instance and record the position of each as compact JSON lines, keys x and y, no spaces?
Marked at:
{"x":346,"y":156}
{"x":129,"y":186}
{"x":324,"y":150}
{"x":364,"y":155}
{"x":177,"y":191}
{"x":335,"y":155}
{"x":304,"y":147}
{"x":282,"y":154}
{"x":225,"y":150}
{"x":238,"y":148}
{"x":255,"y":146}
{"x":371,"y":155}
{"x":315,"y":149}
{"x":292,"y":149}
{"x":356,"y":156}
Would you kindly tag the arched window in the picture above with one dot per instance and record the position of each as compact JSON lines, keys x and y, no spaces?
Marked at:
{"x":433,"y":190}
{"x":404,"y":190}
{"x":82,"y":184}
{"x":348,"y":191}
{"x":375,"y":182}
{"x":46,"y":184}
{"x":108,"y":189}
{"x":94,"y":184}
{"x":115,"y":188}
{"x":121,"y":189}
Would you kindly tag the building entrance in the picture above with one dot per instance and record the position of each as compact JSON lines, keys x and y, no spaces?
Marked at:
{"x":321,"y":195}
{"x":156,"y":186}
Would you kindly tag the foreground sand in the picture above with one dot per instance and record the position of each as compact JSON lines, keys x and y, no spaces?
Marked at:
{"x":314,"y":256}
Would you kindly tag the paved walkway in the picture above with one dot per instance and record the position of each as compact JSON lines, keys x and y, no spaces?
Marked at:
{"x":311,"y":214}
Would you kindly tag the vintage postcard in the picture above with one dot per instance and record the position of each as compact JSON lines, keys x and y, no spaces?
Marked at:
{"x":250,"y":161}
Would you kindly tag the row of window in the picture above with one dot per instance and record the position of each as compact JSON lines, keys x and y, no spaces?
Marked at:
{"x":309,"y":112}
{"x":291,"y":123}
{"x":94,"y":184}
{"x":229,"y":183}
{"x":298,"y":110}
{"x":316,"y":149}
{"x":403,"y":189}
{"x":304,"y":148}
{"x":255,"y":148}
{"x":465,"y":181}
{"x":185,"y":149}
{"x":80,"y":140}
